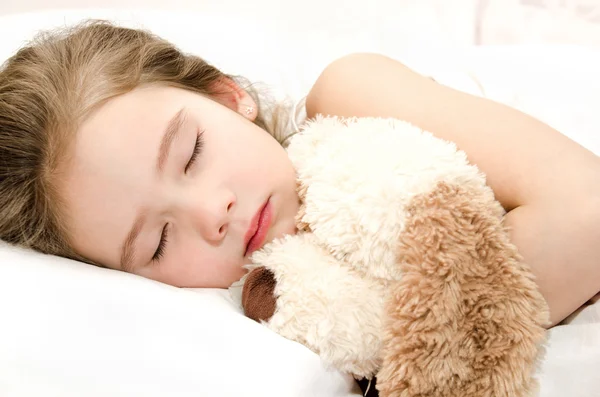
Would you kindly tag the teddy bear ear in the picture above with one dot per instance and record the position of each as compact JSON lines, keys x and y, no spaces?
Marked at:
{"x":258,"y":294}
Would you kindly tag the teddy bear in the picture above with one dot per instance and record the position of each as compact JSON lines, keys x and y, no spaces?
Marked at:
{"x":401,"y":268}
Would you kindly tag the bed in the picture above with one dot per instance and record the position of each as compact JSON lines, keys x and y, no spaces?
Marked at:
{"x":69,"y":329}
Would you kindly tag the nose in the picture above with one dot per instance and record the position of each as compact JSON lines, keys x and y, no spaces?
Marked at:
{"x":211,"y":215}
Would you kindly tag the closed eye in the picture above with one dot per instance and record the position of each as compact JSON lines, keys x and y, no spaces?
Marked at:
{"x":197,"y":150}
{"x":160,"y":250}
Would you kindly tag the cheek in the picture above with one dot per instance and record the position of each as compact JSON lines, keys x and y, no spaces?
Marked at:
{"x":200,"y":267}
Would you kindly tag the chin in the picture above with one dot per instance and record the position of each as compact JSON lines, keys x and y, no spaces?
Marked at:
{"x":235,"y":276}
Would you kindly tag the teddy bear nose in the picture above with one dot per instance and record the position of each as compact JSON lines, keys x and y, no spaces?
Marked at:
{"x":258,"y":297}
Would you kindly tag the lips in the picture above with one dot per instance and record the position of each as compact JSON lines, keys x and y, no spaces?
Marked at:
{"x":259,"y":227}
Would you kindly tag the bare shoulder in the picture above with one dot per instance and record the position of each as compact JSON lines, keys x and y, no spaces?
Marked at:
{"x":523,"y":158}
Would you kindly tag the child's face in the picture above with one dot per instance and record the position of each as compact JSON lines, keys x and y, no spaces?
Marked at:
{"x":113,"y":186}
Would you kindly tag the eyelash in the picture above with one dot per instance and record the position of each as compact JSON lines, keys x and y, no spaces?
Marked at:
{"x":197,"y":150}
{"x":160,"y":250}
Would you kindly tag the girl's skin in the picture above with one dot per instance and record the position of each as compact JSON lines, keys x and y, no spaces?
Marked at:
{"x":113,"y":179}
{"x":549,"y":185}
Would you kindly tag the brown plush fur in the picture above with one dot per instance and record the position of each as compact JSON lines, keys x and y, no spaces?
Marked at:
{"x":258,"y":295}
{"x":466,"y":319}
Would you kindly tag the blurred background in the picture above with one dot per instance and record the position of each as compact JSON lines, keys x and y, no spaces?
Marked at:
{"x":456,"y":22}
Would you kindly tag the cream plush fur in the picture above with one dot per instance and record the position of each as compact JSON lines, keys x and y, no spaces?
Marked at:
{"x":401,"y":268}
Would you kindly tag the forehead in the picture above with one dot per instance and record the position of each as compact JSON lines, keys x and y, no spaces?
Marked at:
{"x":121,"y":138}
{"x":131,"y":113}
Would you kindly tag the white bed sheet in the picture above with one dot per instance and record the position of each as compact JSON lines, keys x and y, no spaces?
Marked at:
{"x":572,"y":363}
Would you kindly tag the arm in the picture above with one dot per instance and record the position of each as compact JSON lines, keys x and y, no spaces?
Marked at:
{"x":549,"y":184}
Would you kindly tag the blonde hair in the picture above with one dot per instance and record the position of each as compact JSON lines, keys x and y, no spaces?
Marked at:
{"x":48,"y":88}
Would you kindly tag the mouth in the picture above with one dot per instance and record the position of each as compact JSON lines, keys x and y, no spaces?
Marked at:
{"x":259,"y":227}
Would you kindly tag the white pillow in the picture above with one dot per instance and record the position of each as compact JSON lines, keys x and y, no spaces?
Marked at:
{"x":70,"y":329}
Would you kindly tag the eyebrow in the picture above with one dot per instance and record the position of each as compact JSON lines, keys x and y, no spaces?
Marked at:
{"x":171,"y":132}
{"x":128,"y":249}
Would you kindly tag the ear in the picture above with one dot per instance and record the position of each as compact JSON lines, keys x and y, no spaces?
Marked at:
{"x":229,"y":93}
